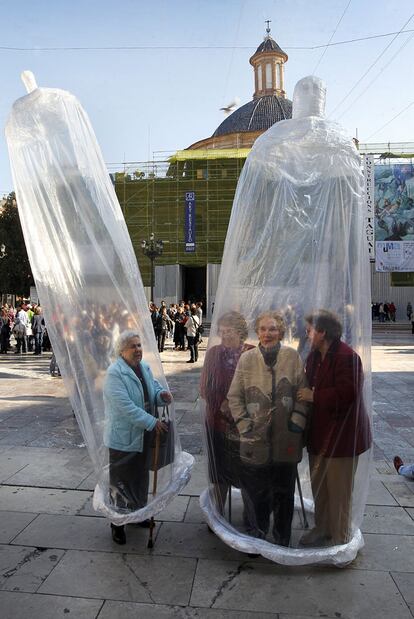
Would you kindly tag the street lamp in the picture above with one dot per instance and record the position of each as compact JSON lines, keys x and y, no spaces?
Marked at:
{"x":152,"y":249}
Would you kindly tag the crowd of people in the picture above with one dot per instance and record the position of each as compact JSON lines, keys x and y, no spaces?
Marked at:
{"x":384,"y":312}
{"x":28,"y":326}
{"x":181,"y":322}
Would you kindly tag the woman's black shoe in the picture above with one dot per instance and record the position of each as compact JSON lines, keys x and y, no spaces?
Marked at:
{"x":118,"y":534}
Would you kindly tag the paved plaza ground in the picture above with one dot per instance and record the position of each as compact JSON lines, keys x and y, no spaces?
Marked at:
{"x":57,"y":558}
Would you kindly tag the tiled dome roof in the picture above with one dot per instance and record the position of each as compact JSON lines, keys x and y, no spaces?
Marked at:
{"x":269,"y":45}
{"x":257,"y":115}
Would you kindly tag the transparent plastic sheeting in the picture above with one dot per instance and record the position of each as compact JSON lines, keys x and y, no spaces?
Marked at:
{"x":286,"y":383}
{"x":91,"y":291}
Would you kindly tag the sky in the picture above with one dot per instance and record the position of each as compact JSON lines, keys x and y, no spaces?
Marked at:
{"x":194,"y":59}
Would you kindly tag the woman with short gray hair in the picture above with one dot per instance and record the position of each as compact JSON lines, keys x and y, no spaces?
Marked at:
{"x":131,"y":395}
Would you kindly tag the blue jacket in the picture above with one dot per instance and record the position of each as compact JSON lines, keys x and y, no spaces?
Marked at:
{"x":125,"y":417}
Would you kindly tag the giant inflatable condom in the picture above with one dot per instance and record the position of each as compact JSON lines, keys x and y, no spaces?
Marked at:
{"x":288,"y":477}
{"x":86,"y":273}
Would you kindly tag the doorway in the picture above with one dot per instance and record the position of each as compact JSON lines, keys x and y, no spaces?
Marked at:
{"x":194,"y":284}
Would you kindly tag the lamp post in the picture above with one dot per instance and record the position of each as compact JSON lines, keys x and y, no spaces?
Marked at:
{"x":152,"y":249}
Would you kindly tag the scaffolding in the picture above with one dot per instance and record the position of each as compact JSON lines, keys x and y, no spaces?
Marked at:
{"x":152,"y":198}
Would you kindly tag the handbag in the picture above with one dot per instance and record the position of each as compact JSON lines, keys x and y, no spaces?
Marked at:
{"x":19,"y":329}
{"x":166,"y":440}
{"x":198,"y":331}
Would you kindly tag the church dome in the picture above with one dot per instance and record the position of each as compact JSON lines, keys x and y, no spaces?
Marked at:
{"x":257,"y":115}
{"x":270,"y":45}
{"x":269,"y":104}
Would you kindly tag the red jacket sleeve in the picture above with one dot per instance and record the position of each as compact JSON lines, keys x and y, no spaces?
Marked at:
{"x":345,"y":378}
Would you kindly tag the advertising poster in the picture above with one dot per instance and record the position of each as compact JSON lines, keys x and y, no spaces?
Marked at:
{"x":394,"y":217}
{"x":394,"y":202}
{"x":394,"y":256}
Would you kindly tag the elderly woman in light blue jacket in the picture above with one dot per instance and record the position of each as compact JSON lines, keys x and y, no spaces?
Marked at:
{"x":130,"y":396}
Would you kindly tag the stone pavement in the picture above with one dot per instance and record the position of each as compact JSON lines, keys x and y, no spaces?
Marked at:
{"x":57,"y":558}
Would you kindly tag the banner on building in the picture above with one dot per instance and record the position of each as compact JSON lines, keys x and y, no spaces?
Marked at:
{"x":394,"y":216}
{"x":394,"y":256}
{"x":189,"y":232}
{"x":369,"y":184}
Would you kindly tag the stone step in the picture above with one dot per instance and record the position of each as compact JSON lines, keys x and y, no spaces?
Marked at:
{"x":386,"y":327}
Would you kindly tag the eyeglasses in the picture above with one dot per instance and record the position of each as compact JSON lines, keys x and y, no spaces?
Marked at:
{"x":269,"y":329}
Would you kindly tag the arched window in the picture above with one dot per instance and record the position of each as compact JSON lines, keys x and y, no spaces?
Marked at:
{"x":281,"y":75}
{"x":278,"y":75}
{"x":268,"y":75}
{"x":259,"y":77}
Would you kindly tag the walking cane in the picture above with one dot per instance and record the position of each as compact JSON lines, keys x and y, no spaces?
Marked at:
{"x":154,"y":485}
{"x":305,"y":520}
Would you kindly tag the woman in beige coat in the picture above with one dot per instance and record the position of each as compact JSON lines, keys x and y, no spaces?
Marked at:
{"x":270,"y":420}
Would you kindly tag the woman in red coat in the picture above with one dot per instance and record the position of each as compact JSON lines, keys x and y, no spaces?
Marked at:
{"x":339,"y":429}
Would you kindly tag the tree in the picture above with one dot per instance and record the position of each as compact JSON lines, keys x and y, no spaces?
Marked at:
{"x":15,"y":273}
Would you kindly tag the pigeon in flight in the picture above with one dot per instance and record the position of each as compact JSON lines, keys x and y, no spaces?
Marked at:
{"x":227,"y":109}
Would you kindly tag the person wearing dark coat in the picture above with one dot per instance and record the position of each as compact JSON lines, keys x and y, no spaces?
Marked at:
{"x":339,"y":430}
{"x":38,"y":329}
{"x":154,"y":317}
{"x":179,"y":332}
{"x":162,"y":325}
{"x":4,"y":331}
